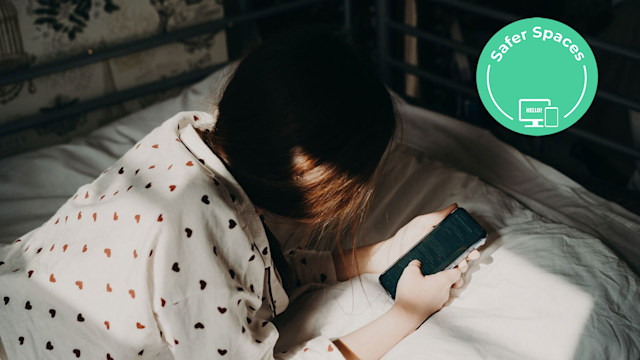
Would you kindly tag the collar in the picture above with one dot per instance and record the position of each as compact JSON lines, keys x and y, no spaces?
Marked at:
{"x":274,"y":290}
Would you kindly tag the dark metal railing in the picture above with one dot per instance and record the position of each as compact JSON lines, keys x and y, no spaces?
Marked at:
{"x":385,"y":23}
{"x":98,"y":55}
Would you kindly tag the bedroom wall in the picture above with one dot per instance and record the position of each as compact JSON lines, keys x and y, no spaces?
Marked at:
{"x":34,"y":32}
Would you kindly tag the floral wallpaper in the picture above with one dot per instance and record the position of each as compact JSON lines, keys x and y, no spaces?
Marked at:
{"x":39,"y":31}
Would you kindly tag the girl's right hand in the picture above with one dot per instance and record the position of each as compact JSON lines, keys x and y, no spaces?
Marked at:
{"x":421,"y":295}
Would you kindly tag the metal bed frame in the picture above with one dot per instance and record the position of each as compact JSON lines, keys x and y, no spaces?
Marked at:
{"x":96,"y":55}
{"x":385,"y":28}
{"x":386,"y":25}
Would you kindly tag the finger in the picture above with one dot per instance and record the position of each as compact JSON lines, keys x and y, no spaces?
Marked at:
{"x":415,"y":263}
{"x":458,"y":283}
{"x":463,"y":266}
{"x":451,"y":275}
{"x":446,"y":211}
{"x":475,"y":254}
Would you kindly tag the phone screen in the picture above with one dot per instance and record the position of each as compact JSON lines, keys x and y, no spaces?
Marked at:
{"x":438,"y":249}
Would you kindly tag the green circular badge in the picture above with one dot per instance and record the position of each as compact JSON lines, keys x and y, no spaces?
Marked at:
{"x":537,"y":76}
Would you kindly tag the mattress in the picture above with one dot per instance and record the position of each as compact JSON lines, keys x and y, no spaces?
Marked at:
{"x":555,"y":280}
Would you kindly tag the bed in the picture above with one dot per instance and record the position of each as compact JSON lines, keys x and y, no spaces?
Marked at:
{"x":548,"y":285}
{"x":557,"y":279}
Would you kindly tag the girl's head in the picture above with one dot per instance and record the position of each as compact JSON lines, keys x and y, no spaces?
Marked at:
{"x":302,"y":126}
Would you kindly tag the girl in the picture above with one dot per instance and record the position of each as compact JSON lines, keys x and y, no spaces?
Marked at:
{"x":165,"y":255}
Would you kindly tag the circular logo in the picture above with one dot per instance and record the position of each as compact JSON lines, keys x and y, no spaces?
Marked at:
{"x":537,"y":76}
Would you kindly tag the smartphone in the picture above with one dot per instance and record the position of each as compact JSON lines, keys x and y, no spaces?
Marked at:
{"x":443,"y":248}
{"x":551,"y":117}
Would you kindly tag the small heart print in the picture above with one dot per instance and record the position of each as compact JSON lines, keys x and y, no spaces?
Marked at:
{"x":79,"y":215}
{"x":49,"y":345}
{"x":189,"y":163}
{"x":152,"y":167}
{"x":84,"y":248}
{"x":106,"y":323}
{"x":175,"y":267}
{"x":121,"y":171}
{"x":137,"y":172}
{"x":248,"y":321}
{"x":189,"y":232}
{"x":79,"y":283}
{"x":162,"y":302}
{"x":155,"y":146}
{"x":147,"y":186}
{"x":252,"y":257}
{"x":102,"y":197}
{"x":201,"y":161}
{"x":116,"y":193}
{"x":160,"y":218}
{"x":203,"y":284}
{"x":265,"y":251}
{"x":222,"y":352}
{"x":137,"y":217}
{"x":232,"y":224}
{"x":175,"y":341}
{"x":57,"y":221}
{"x":86,"y":195}
{"x":28,"y":306}
{"x":140,"y":326}
{"x":108,"y":287}
{"x":135,"y":254}
{"x":21,"y":340}
{"x":251,"y":287}
{"x":38,"y":251}
{"x":172,"y":187}
{"x":52,"y":312}
{"x":243,"y":330}
{"x":30,"y":273}
{"x":108,"y":252}
{"x":64,"y":248}
{"x":6,"y":300}
{"x":129,"y":188}
{"x":232,"y":273}
{"x":170,"y":166}
{"x":115,"y":216}
{"x":76,"y":352}
{"x":80,"y":318}
{"x":222,"y":310}
{"x":95,"y":217}
{"x":195,"y":118}
{"x":109,"y":357}
{"x":205,"y":199}
{"x":199,"y":326}
{"x":132,"y":293}
{"x":140,"y":353}
{"x":52,"y":278}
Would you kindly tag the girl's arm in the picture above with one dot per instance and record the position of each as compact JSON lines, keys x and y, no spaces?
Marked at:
{"x":418,"y":297}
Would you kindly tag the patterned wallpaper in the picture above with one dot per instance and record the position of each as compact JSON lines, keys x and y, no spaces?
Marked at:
{"x":40,"y":31}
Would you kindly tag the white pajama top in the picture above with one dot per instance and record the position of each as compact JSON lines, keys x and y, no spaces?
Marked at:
{"x":161,"y":257}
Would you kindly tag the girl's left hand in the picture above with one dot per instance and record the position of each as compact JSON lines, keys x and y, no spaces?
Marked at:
{"x":393,"y":248}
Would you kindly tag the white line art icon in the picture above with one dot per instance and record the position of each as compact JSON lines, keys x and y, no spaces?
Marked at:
{"x":535,"y":112}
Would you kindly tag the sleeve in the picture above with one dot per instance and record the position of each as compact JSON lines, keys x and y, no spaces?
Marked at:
{"x":311,"y":267}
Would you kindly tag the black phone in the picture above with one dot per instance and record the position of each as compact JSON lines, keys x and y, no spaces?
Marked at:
{"x":443,"y":248}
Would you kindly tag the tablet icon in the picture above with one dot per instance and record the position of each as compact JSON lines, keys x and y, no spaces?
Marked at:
{"x":537,"y":111}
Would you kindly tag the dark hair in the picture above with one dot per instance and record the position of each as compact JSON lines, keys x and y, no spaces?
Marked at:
{"x":303,"y":124}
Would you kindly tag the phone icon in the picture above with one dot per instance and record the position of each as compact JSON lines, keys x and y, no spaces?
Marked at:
{"x":551,"y":117}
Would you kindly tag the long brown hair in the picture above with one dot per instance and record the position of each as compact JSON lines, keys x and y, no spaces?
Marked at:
{"x":303,"y":125}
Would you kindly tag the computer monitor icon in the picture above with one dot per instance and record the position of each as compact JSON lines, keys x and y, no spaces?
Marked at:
{"x":533,"y":111}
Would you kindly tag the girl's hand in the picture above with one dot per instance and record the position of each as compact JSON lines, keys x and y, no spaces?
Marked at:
{"x":388,"y":251}
{"x":421,"y":296}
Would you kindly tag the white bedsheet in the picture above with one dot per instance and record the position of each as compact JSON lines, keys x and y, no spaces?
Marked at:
{"x":545,"y":287}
